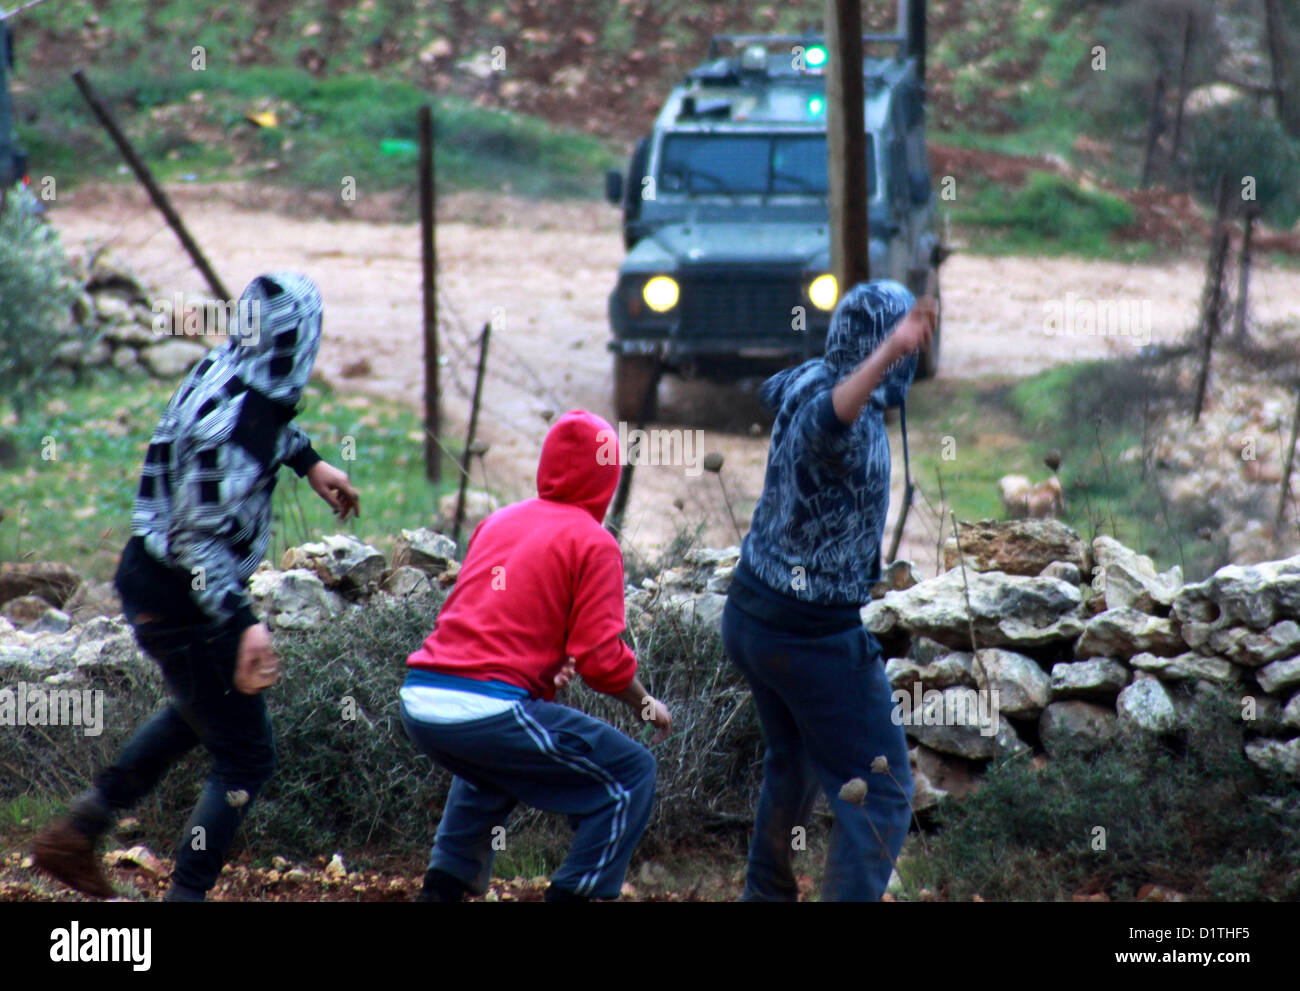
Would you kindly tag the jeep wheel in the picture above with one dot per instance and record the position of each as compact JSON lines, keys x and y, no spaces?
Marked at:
{"x":928,"y":367}
{"x":636,"y":388}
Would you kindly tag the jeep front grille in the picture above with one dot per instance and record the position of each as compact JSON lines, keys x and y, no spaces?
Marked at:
{"x":740,"y":302}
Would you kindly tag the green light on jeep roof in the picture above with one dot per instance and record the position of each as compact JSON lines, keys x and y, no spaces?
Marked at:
{"x":815,"y":57}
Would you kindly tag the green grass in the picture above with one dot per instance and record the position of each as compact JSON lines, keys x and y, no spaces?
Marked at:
{"x":186,"y":123}
{"x":1093,"y":414}
{"x":1049,"y":215}
{"x":75,"y":506}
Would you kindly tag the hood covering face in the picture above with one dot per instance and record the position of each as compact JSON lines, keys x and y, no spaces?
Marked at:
{"x":580,"y":462}
{"x":862,"y":320}
{"x":278,"y":335}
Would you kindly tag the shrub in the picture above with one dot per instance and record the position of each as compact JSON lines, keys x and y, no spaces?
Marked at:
{"x":35,"y":297}
{"x":1185,"y":812}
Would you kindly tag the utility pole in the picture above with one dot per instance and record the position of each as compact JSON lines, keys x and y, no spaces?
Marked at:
{"x":846,"y":144}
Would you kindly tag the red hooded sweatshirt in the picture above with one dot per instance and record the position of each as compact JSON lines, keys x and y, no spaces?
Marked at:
{"x":542,"y":580}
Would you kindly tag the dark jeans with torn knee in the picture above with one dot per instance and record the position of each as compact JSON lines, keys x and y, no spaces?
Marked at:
{"x":198,"y":664}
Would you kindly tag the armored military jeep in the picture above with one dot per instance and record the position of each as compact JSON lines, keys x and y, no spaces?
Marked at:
{"x":725,"y":213}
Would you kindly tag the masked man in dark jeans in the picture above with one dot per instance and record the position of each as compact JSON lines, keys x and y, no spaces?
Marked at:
{"x":200,"y":526}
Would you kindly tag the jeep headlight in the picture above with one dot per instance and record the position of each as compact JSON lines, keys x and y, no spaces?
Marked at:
{"x":660,"y":293}
{"x":823,"y":292}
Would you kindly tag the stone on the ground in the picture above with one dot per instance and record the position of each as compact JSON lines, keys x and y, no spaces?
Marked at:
{"x":1280,"y":676}
{"x":293,"y":600}
{"x":949,"y":775}
{"x":961,"y":722}
{"x":1075,"y":725}
{"x":406,"y":581}
{"x":341,"y":562}
{"x":1290,"y":715}
{"x":951,"y":669}
{"x":1097,"y":678}
{"x":92,"y":600}
{"x":1245,"y":646}
{"x":1277,"y":756}
{"x":1005,"y":610}
{"x":53,"y":582}
{"x":1130,"y":580}
{"x":428,"y":550}
{"x":1023,"y":687}
{"x":1188,"y":667}
{"x":1255,"y":596}
{"x":1016,"y":547}
{"x":704,"y":608}
{"x":1146,"y":705}
{"x":1067,"y":571}
{"x":172,"y":358}
{"x":1121,"y":633}
{"x":52,"y":621}
{"x":25,"y":610}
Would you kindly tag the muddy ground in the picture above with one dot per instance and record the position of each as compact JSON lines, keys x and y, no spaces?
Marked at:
{"x":549,"y":267}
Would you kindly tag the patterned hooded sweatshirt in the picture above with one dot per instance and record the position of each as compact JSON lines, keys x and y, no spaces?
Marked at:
{"x":817,"y":528}
{"x":203,"y":509}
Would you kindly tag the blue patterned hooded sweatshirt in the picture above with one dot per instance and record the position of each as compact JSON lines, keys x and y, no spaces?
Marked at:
{"x":817,"y":528}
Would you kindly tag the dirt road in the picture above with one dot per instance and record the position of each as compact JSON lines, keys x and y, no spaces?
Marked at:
{"x":542,"y":273}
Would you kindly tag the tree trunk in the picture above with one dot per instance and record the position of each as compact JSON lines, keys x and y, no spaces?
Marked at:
{"x":1286,"y":91}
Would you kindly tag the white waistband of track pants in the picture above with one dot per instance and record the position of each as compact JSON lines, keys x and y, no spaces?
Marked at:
{"x":446,"y":705}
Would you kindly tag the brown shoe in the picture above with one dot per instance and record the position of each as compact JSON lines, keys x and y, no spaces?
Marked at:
{"x":66,"y":853}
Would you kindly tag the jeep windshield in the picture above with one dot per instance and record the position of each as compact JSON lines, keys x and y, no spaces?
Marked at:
{"x":749,"y":164}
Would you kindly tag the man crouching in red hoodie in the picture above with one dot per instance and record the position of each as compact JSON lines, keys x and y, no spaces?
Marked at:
{"x":538,"y":597}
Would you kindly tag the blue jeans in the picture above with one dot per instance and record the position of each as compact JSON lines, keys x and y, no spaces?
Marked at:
{"x":550,"y":757}
{"x":824,"y":704}
{"x":198,"y":664}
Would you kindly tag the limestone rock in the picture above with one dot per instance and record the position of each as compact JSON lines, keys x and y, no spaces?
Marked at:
{"x":1281,"y":756}
{"x":92,"y":600}
{"x":1121,"y":633}
{"x":1096,"y":678}
{"x":1130,"y":580}
{"x":1188,"y":667}
{"x":1016,"y":547}
{"x":25,"y":610}
{"x":1147,"y":706}
{"x":1280,"y":676}
{"x":405,"y":581}
{"x":53,"y":582}
{"x":1067,"y":571}
{"x":705,"y":608}
{"x":341,"y":562}
{"x":293,"y":600}
{"x":948,"y":775}
{"x":1023,"y":688}
{"x":959,"y":721}
{"x":1242,"y":645}
{"x":1290,"y":716}
{"x":1005,"y":610}
{"x":1075,"y":725}
{"x":430,"y":551}
{"x":944,"y":672}
{"x":1257,"y":596}
{"x":172,"y":358}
